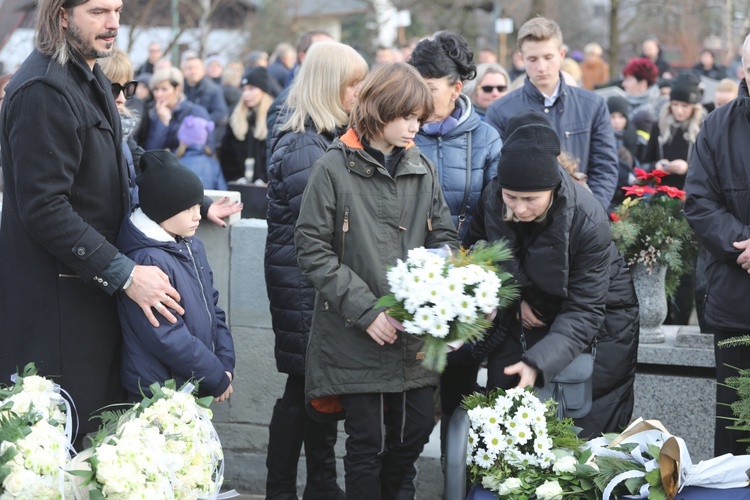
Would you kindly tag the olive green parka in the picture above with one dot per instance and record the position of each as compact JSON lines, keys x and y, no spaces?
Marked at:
{"x":355,"y":221}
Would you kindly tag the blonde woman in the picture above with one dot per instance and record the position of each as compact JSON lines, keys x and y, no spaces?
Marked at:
{"x":320,"y":99}
{"x":247,"y":131}
{"x":119,"y":70}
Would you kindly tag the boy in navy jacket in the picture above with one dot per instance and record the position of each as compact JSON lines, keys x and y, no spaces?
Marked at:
{"x":161,"y":232}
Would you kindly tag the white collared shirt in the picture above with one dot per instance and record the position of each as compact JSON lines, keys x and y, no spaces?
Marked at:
{"x":550,"y":100}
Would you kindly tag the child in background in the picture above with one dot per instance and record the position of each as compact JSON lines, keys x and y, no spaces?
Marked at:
{"x":161,"y":232}
{"x":368,"y":201}
{"x":194,"y":152}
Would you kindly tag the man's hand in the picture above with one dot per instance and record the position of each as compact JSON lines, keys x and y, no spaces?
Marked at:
{"x":223,"y":208}
{"x":527,"y":373}
{"x":744,"y":259}
{"x":381,"y":330}
{"x":151,"y":288}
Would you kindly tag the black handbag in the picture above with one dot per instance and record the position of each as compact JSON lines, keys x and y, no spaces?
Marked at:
{"x":572,"y":387}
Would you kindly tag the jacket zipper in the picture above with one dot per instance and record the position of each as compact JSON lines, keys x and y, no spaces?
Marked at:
{"x":344,"y":230}
{"x":203,"y":289}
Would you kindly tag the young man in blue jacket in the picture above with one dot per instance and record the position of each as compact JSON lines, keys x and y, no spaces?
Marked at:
{"x":579,"y":116}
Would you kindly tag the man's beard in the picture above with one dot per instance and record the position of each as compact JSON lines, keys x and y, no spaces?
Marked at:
{"x":86,"y":48}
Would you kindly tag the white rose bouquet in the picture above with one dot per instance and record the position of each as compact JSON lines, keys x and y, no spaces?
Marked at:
{"x":163,"y":447}
{"x":34,"y":446}
{"x":519,"y":449}
{"x":448,"y":299}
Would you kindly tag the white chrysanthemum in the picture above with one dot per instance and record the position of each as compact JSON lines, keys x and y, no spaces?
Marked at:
{"x":503,"y":405}
{"x":466,"y":309}
{"x":425,"y":320}
{"x":542,"y":444}
{"x":440,"y":330}
{"x":520,"y":432}
{"x":525,"y":415}
{"x":476,"y":416}
{"x":484,"y":458}
{"x":473,"y":439}
{"x":444,"y":311}
{"x":494,"y":439}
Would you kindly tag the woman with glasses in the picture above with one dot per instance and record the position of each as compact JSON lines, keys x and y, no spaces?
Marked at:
{"x":491,"y":84}
{"x":119,"y":70}
{"x":183,"y":127}
{"x":465,"y":151}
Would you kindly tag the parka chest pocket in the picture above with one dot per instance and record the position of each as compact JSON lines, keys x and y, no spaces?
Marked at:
{"x":341,"y":345}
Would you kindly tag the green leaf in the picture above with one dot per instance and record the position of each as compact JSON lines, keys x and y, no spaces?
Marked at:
{"x":657,"y":493}
{"x":654,"y":477}
{"x":634,"y":484}
{"x":654,"y":450}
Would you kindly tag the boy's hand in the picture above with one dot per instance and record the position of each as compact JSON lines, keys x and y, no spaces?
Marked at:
{"x":381,"y":330}
{"x":225,"y":396}
{"x":151,"y":288}
{"x":228,"y":392}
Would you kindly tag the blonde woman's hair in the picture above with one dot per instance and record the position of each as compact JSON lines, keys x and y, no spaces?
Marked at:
{"x":316,"y":94}
{"x":117,"y":67}
{"x":238,"y":119}
{"x":171,"y":75}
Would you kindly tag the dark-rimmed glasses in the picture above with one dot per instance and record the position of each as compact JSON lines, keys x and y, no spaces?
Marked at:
{"x":488,"y":88}
{"x":128,"y":89}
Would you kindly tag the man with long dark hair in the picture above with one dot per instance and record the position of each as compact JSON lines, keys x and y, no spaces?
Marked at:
{"x":66,"y":193}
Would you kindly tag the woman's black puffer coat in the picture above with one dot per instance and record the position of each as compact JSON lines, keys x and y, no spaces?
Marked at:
{"x":290,"y":293}
{"x":570,"y":272}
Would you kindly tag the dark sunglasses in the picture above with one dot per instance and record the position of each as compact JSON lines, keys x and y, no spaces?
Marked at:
{"x":128,"y":89}
{"x":488,"y":88}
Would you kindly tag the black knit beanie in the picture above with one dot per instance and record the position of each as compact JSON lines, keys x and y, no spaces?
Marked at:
{"x":529,"y":159}
{"x":685,"y":88}
{"x":258,"y":77}
{"x":617,"y":104}
{"x":165,"y":186}
{"x":527,"y":118}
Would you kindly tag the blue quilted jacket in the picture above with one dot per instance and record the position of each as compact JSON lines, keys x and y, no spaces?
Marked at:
{"x":450,"y":155}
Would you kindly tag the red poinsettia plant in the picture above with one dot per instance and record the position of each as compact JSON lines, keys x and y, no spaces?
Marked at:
{"x":650,"y":228}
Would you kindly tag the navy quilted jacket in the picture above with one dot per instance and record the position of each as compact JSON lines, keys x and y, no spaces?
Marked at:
{"x":290,"y":293}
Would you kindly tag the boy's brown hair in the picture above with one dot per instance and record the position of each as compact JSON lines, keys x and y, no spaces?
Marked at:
{"x":539,"y":29}
{"x":390,"y":91}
